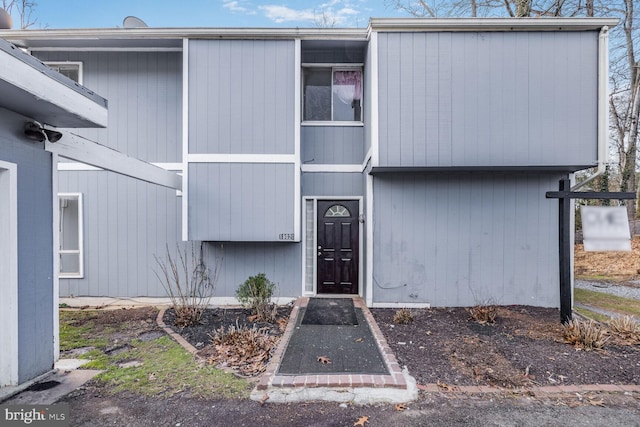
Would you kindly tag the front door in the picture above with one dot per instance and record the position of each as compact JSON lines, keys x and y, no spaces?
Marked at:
{"x":338,"y":247}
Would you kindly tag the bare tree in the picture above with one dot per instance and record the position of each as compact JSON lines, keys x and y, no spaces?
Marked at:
{"x":23,"y":9}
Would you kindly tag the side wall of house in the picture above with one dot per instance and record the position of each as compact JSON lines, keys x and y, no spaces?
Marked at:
{"x":241,"y":125}
{"x":488,"y":99}
{"x":127,"y":222}
{"x":464,"y":239}
{"x":35,"y":245}
{"x":144,"y":90}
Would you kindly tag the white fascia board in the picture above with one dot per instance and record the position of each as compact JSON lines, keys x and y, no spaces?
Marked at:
{"x":98,"y":36}
{"x":51,"y":91}
{"x":488,"y":24}
{"x":83,"y":150}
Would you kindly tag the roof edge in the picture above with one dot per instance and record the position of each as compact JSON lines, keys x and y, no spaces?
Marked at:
{"x":489,"y":24}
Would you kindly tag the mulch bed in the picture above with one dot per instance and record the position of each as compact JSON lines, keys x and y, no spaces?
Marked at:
{"x":524,"y":347}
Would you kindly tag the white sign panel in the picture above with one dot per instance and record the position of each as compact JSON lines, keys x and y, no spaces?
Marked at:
{"x":605,"y":228}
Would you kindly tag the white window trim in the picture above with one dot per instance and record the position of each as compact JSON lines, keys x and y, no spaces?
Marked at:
{"x":361,"y":230}
{"x":80,"y":250}
{"x":334,"y":68}
{"x":78,"y":63}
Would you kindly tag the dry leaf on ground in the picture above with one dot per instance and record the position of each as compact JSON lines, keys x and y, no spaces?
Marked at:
{"x":324,"y":360}
{"x":361,"y":421}
{"x":401,"y":407}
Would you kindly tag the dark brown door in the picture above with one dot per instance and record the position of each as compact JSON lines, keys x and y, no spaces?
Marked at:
{"x":337,"y":247}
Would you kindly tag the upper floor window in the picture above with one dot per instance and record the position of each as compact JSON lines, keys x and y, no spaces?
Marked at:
{"x":73,"y":70}
{"x":332,"y":94}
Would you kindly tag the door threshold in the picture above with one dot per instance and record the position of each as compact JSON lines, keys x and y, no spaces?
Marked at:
{"x":336,"y":296}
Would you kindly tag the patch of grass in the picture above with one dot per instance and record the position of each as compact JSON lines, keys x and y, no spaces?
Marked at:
{"x":167,"y":369}
{"x":590,"y":314}
{"x":624,"y":306}
{"x":77,"y":330}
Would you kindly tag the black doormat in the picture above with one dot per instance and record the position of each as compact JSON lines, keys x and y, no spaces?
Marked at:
{"x":346,"y":349}
{"x":330,"y":311}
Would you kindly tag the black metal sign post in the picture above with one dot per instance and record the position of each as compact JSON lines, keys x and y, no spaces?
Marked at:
{"x":564,"y":197}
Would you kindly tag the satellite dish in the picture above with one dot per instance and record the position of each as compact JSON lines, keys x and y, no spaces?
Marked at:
{"x":133,"y":22}
{"x":5,"y":20}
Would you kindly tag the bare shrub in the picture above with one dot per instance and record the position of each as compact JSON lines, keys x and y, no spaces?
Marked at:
{"x":483,"y":313}
{"x":403,"y":317}
{"x":246,"y":349}
{"x":188,"y":282}
{"x":585,"y":334}
{"x":626,"y":327}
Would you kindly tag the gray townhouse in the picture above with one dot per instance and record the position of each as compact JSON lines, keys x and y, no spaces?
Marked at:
{"x":406,"y":162}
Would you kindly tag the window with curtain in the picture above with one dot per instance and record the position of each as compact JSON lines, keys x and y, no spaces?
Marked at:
{"x":332,"y":94}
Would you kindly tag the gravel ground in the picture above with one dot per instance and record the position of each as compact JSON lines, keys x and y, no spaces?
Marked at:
{"x":625,"y":291}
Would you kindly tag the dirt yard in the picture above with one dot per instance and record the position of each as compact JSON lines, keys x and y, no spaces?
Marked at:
{"x":439,"y":346}
{"x":620,"y":266}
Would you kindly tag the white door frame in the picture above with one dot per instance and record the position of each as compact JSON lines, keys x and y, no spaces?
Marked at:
{"x":9,"y":273}
{"x":315,"y":199}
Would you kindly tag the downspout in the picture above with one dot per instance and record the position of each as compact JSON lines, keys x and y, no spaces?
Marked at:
{"x":603,"y":107}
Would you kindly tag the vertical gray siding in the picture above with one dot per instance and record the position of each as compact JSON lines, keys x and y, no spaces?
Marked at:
{"x":126,"y":222}
{"x":488,"y":99}
{"x":280,"y":262}
{"x":35,"y":246}
{"x":241,"y":96}
{"x":460,"y":240}
{"x":144,"y":90}
{"x":332,"y":184}
{"x":332,"y":144}
{"x":240,"y":201}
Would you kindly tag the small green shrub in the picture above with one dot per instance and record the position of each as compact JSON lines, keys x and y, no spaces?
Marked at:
{"x":256,"y":293}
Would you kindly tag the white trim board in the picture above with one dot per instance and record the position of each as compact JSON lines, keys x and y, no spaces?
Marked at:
{"x":83,"y":150}
{"x":399,"y":305}
{"x":56,"y":259}
{"x":241,"y":158}
{"x":78,"y":166}
{"x":185,"y":139}
{"x":297,"y":114}
{"x":9,"y":272}
{"x":346,"y":168}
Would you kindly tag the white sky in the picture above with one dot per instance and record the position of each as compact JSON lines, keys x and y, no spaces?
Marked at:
{"x":209,"y":13}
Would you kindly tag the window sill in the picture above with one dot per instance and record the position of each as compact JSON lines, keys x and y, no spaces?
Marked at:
{"x":332,"y":123}
{"x":70,"y":276}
